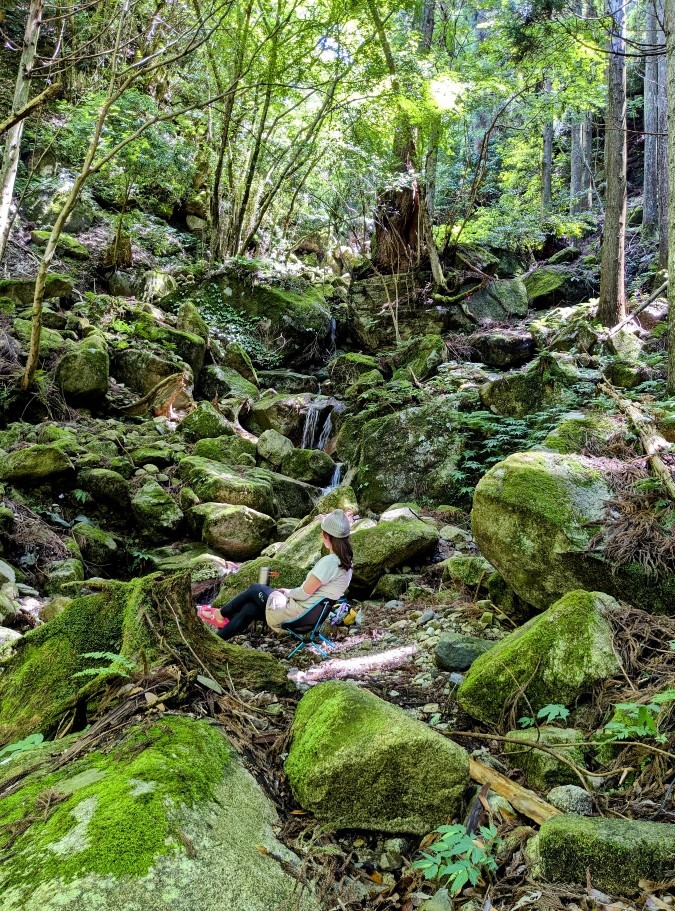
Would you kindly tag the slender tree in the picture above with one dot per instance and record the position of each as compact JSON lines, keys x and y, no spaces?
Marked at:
{"x":10,"y":161}
{"x":650,"y":195}
{"x":612,"y":305}
{"x":670,"y":94}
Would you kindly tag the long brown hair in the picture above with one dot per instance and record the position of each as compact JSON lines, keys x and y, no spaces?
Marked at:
{"x":342,"y":548}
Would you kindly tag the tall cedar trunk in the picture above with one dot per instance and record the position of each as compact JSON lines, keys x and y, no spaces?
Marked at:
{"x":650,"y":198}
{"x":670,"y":93}
{"x":581,"y":199}
{"x":662,"y":154}
{"x":10,"y":161}
{"x":547,"y":159}
{"x":612,"y":306}
{"x":397,"y":213}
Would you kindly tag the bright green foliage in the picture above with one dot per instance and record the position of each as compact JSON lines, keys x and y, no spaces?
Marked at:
{"x":460,"y":859}
{"x":632,"y":721}
{"x":547,"y":714}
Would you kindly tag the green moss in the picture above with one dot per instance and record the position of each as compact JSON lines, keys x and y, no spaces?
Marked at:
{"x":579,"y":429}
{"x":34,"y":464}
{"x":67,"y":245}
{"x":119,"y":812}
{"x":543,"y":770}
{"x":226,"y":449}
{"x":356,"y":761}
{"x":289,"y":576}
{"x":615,"y":853}
{"x":23,"y":289}
{"x":545,"y":285}
{"x":204,"y":422}
{"x":347,"y":368}
{"x":421,"y":358}
{"x":310,"y":465}
{"x":552,"y":659}
{"x":388,"y":545}
{"x":225,"y":382}
{"x":214,"y":482}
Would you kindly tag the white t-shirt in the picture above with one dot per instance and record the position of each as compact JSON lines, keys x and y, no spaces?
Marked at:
{"x":334,"y":583}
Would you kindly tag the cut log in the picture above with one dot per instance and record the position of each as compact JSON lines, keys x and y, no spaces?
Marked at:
{"x":523,"y":800}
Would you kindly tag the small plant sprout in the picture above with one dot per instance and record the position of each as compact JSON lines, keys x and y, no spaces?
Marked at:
{"x":458,"y":858}
{"x":547,"y":714}
{"x":632,"y":721}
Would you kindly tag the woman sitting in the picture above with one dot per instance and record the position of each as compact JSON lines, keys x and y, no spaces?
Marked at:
{"x":329,"y":578}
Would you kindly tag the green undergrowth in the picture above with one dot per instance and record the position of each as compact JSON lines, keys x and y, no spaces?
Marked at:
{"x":110,"y":813}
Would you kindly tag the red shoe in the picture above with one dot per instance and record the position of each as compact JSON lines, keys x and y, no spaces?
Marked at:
{"x":212,"y":616}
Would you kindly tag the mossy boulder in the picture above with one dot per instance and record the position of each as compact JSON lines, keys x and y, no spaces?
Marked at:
{"x":578,"y":430}
{"x":66,"y":246}
{"x":543,"y":384}
{"x":22,"y":290}
{"x":534,"y":515}
{"x":189,"y":347}
{"x":33,"y":465}
{"x":503,"y":348}
{"x":156,"y":512}
{"x":400,"y":455}
{"x":96,"y":546}
{"x":225,"y":382}
{"x":236,"y":532}
{"x":51,"y":341}
{"x":304,"y":546}
{"x":624,"y":375}
{"x":236,"y":358}
{"x":214,"y":482}
{"x":273,"y":447}
{"x":310,"y":465}
{"x":544,"y":770}
{"x":363,"y":384}
{"x":358,"y":762}
{"x":232,"y":450}
{"x":614,"y":854}
{"x":421,"y":359}
{"x":203,"y":422}
{"x":157,"y":454}
{"x":136,"y":825}
{"x":148,"y":620}
{"x":141,"y":370}
{"x":388,"y":545}
{"x":83,"y":371}
{"x":191,"y":321}
{"x":467,"y":570}
{"x":342,"y":497}
{"x":546,"y":286}
{"x":345,"y":369}
{"x":499,"y":300}
{"x":63,"y":572}
{"x":106,"y":486}
{"x":553,"y":659}
{"x":292,"y":497}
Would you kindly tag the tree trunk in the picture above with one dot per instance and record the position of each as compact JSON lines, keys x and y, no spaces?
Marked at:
{"x":650,"y":197}
{"x":612,"y":306}
{"x":581,"y":198}
{"x":12,"y":151}
{"x":547,"y":160}
{"x":662,"y":145}
{"x":670,"y":92}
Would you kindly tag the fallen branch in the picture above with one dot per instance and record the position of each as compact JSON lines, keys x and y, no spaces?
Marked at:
{"x":643,"y":306}
{"x":652,"y":441}
{"x":52,"y":91}
{"x":523,"y":800}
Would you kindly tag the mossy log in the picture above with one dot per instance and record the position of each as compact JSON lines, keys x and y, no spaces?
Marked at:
{"x":149,"y":621}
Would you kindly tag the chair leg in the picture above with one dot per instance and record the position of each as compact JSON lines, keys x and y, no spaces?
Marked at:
{"x":298,"y":648}
{"x":328,"y":642}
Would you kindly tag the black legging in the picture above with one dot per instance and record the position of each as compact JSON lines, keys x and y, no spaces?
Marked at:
{"x":243,"y":609}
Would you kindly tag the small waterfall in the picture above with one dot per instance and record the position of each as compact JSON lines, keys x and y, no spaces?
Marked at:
{"x":335,"y":480}
{"x":326,"y":431}
{"x":309,"y":430}
{"x":333,"y":327}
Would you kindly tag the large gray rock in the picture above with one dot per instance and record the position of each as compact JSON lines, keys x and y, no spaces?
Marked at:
{"x":503,"y":348}
{"x":139,"y":825}
{"x":358,"y":762}
{"x":273,"y":447}
{"x":214,"y":482}
{"x":236,"y":532}
{"x":499,"y":300}
{"x":141,"y":370}
{"x":82,"y":373}
{"x":225,"y":382}
{"x":387,"y":545}
{"x":456,"y":652}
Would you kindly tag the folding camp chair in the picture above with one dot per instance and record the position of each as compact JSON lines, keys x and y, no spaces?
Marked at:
{"x":307,"y":628}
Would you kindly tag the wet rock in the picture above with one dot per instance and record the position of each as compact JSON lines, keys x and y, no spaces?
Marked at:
{"x":63,"y":572}
{"x":457,"y":652}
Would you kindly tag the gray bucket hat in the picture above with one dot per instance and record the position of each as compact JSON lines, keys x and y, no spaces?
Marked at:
{"x":336,"y":524}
